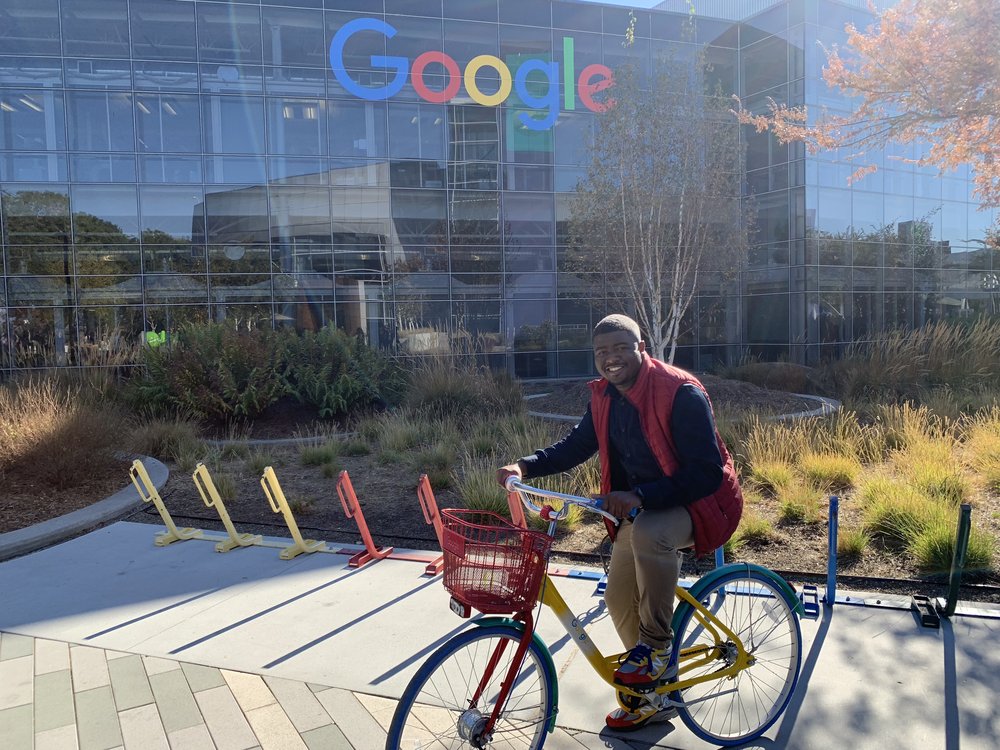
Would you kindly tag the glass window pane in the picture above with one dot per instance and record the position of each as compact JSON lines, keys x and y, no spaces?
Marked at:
{"x":30,"y":71}
{"x":163,"y":30}
{"x":231,"y":78}
{"x":43,"y":167}
{"x":170,"y":168}
{"x":169,"y":214}
{"x":168,"y":122}
{"x":300,"y":216}
{"x":31,"y":120}
{"x":294,"y":37}
{"x":30,"y":27}
{"x":229,"y":33}
{"x":237,"y":216}
{"x":473,"y":10}
{"x":96,"y":28}
{"x":35,"y":214}
{"x":165,"y":76}
{"x":358,"y":129}
{"x":100,"y":122}
{"x":297,"y":126}
{"x":416,"y":131}
{"x":110,"y":75}
{"x":228,"y":170}
{"x":234,"y":124}
{"x":102,"y":167}
{"x":104,"y":215}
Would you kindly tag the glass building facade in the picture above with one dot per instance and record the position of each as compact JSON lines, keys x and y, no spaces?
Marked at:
{"x":167,"y":161}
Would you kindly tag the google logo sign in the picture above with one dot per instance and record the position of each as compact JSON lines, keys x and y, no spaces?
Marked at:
{"x":592,"y":78}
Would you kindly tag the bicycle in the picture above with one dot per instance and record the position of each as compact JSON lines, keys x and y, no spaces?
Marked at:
{"x":495,"y":685}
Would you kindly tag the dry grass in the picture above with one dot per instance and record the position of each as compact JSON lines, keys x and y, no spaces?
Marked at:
{"x":52,"y":430}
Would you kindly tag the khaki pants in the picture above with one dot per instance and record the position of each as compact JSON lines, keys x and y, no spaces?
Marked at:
{"x":645,"y":567}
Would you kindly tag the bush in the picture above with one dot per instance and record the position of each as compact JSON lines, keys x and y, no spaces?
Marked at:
{"x":799,"y":504}
{"x":337,"y":373}
{"x":753,"y":529}
{"x":895,"y":511}
{"x":829,"y":471}
{"x":934,"y":547}
{"x":452,"y":388}
{"x":438,"y":463}
{"x":317,"y":455}
{"x":214,"y":372}
{"x":53,"y":432}
{"x":164,"y":439}
{"x":851,"y":543}
{"x":772,"y":476}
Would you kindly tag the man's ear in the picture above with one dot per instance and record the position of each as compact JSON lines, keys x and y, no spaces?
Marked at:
{"x":642,"y":346}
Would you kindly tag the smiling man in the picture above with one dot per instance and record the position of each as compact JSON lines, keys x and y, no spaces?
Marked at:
{"x":666,"y":472}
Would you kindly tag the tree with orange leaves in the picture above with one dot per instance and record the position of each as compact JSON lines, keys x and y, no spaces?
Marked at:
{"x":928,"y":71}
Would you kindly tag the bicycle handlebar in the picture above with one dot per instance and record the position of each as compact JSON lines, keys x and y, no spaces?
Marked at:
{"x":523,"y":490}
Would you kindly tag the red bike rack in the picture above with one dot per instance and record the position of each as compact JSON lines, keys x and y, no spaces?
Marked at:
{"x":516,"y":510}
{"x":429,"y":506}
{"x":352,"y":509}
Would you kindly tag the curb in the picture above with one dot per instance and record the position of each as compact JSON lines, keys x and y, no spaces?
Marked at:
{"x":827,"y":406}
{"x":46,"y":533}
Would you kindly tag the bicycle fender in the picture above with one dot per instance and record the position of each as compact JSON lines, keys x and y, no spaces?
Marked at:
{"x":708,"y":580}
{"x":550,"y":665}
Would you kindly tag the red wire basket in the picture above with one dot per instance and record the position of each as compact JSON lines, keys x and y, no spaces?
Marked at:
{"x":491,"y":564}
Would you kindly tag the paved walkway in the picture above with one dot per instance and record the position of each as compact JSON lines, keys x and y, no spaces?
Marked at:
{"x":109,"y":641}
{"x":55,"y":695}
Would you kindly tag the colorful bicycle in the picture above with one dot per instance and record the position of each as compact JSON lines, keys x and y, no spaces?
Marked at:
{"x":495,"y":685}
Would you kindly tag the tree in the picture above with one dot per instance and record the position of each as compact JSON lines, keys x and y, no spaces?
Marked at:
{"x":927,"y":72}
{"x":659,"y":206}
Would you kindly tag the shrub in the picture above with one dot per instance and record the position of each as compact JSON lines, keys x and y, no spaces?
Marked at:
{"x":477,"y":485}
{"x":754,"y":528}
{"x":934,"y":547}
{"x":317,"y":455}
{"x":337,"y":373}
{"x":54,"y":432}
{"x":438,"y":463}
{"x":355,"y":447}
{"x":982,"y":446}
{"x":799,"y":504}
{"x":829,"y":471}
{"x":772,"y":476}
{"x":895,"y":511}
{"x":454,"y":388}
{"x":164,"y":439}
{"x":851,"y":543}
{"x":257,"y":461}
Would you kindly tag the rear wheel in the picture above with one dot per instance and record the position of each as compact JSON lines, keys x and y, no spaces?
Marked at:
{"x":437,"y":710}
{"x":736,"y":710}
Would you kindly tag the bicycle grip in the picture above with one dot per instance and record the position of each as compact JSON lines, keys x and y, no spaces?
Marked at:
{"x":599,"y":504}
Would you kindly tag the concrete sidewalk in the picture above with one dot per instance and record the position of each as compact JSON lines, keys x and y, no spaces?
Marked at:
{"x":335,"y":646}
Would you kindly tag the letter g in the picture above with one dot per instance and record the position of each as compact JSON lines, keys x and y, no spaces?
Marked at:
{"x":398,"y":64}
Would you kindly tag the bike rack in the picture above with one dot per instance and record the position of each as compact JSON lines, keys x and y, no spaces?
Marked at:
{"x":516,"y":510}
{"x":831,"y":556}
{"x":144,"y":485}
{"x":352,"y":509}
{"x":210,"y":496}
{"x":428,"y":504}
{"x":276,"y":498}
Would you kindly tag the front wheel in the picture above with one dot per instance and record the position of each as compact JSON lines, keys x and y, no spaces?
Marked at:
{"x":437,"y":709}
{"x":738,"y":709}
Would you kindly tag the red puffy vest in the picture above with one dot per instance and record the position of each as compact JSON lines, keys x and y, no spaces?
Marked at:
{"x":716,"y":516}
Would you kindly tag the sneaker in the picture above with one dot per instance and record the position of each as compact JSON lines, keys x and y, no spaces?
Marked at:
{"x":644,"y":665}
{"x":621,"y":720}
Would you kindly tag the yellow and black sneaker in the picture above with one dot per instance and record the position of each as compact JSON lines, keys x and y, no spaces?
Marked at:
{"x":644,"y":666}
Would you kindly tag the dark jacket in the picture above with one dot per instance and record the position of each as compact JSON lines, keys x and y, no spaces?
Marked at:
{"x":714,"y":517}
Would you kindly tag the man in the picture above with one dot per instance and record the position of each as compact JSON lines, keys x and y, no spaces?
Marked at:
{"x":666,"y":473}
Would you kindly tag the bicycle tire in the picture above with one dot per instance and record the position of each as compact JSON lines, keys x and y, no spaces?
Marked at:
{"x":436,"y":702}
{"x":752,"y":606}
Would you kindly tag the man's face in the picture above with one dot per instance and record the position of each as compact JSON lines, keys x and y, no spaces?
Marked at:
{"x":618,"y":357}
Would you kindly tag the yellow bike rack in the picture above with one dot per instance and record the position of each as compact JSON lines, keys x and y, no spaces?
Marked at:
{"x":210,"y":496}
{"x":148,"y":493}
{"x":269,"y":481}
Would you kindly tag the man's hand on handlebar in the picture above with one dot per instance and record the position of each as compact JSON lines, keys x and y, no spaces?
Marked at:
{"x":619,"y":504}
{"x":511,"y":470}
